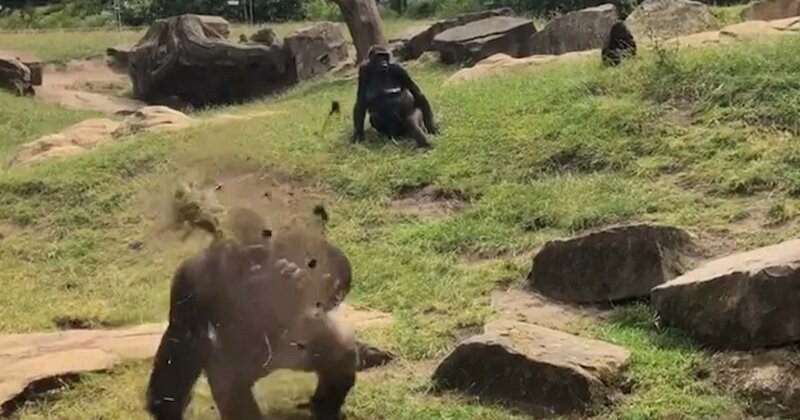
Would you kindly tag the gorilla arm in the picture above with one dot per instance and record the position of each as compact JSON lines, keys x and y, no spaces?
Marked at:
{"x":420,"y":101}
{"x":360,"y":108}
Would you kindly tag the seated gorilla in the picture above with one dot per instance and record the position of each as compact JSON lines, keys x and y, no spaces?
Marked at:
{"x":619,"y":45}
{"x":241,"y":309}
{"x":396,"y":105}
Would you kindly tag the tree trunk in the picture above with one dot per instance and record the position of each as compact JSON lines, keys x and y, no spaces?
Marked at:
{"x":364,"y":23}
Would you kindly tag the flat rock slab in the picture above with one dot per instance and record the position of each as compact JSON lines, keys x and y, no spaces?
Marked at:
{"x":546,"y":372}
{"x":26,"y":359}
{"x":533,"y":308}
{"x":30,"y":362}
{"x":743,"y":301}
{"x":613,"y":264}
{"x":412,"y":43}
{"x":480,"y":39}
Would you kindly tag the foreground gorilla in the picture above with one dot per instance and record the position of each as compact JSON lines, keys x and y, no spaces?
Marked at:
{"x":241,"y":309}
{"x":396,"y":105}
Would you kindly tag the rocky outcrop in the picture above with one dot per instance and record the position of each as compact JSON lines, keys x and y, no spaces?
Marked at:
{"x":742,"y":301}
{"x":545,"y":372}
{"x":617,"y":263}
{"x":771,"y":10}
{"x":185,"y":57}
{"x":575,"y":31}
{"x":315,"y":50}
{"x":670,"y":18}
{"x":475,"y":41}
{"x":414,"y":42}
{"x":96,"y":132}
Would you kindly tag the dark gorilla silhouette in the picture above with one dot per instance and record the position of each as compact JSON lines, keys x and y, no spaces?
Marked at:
{"x":397,"y":107}
{"x":241,"y":309}
{"x":619,"y":45}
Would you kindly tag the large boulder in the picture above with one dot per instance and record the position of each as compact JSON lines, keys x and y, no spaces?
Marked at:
{"x":15,"y":76}
{"x":575,"y":31}
{"x":771,"y":10}
{"x":477,"y":40}
{"x":315,"y":50}
{"x":546,"y":371}
{"x":742,"y":301}
{"x":670,"y":18}
{"x":618,"y":263}
{"x":185,"y":57}
{"x":412,"y":43}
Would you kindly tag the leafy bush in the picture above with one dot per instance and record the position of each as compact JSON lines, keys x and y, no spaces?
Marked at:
{"x":322,"y":10}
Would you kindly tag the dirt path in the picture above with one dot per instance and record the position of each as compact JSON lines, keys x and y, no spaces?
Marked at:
{"x":82,"y":84}
{"x":86,"y":84}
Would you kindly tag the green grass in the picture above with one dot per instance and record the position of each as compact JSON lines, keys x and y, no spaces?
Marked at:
{"x":62,"y":45}
{"x":704,"y":139}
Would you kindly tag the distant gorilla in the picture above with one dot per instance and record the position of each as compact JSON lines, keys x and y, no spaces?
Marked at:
{"x":396,"y":105}
{"x":241,"y":309}
{"x":619,"y":45}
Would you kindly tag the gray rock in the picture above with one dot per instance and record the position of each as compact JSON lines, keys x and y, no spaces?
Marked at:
{"x":415,"y":41}
{"x":316,"y":50}
{"x":580,"y":30}
{"x":544,"y":371}
{"x":771,"y":10}
{"x":477,"y":40}
{"x":670,"y":18}
{"x":768,"y":379}
{"x":617,"y":263}
{"x":370,"y":356}
{"x":742,"y":301}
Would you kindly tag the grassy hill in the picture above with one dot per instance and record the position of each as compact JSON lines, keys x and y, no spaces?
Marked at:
{"x":703,"y":139}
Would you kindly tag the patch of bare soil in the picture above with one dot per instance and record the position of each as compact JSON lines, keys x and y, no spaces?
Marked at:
{"x":429,"y":201}
{"x":768,"y":379}
{"x":86,"y":84}
{"x":280,"y":202}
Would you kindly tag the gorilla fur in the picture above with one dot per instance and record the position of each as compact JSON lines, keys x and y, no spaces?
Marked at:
{"x":247,"y":306}
{"x":619,"y":45}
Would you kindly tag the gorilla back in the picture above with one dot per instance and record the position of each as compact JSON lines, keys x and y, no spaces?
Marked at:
{"x":239,"y":311}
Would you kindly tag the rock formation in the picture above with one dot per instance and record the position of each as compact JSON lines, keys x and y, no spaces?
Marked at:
{"x":613,"y":264}
{"x":477,"y":40}
{"x":742,"y":301}
{"x":575,"y":31}
{"x":670,"y":18}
